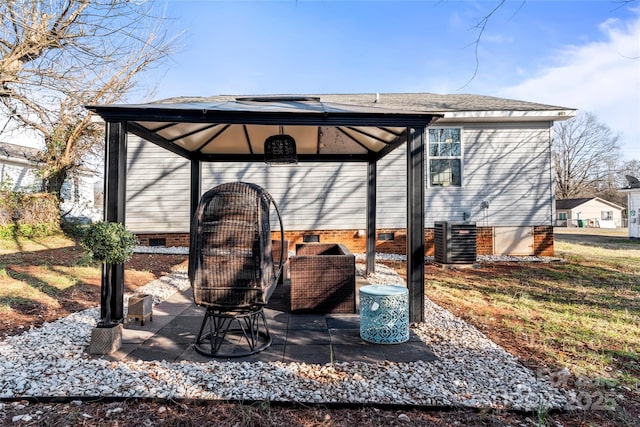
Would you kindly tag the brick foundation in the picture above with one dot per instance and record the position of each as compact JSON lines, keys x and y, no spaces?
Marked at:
{"x":543,"y":240}
{"x":355,"y":240}
{"x":169,"y":239}
{"x":484,"y":241}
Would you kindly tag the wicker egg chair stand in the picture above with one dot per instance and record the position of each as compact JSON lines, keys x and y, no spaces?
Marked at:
{"x":231,"y":268}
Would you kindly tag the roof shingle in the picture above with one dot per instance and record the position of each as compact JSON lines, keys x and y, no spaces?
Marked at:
{"x":424,"y":102}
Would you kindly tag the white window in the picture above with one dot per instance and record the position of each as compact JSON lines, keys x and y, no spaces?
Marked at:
{"x":445,"y":157}
{"x":607,"y":215}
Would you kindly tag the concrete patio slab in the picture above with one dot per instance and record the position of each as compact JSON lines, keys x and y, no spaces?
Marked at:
{"x":302,"y":338}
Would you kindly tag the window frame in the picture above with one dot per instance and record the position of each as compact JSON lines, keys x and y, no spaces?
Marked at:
{"x":606,"y":215}
{"x":429,"y":157}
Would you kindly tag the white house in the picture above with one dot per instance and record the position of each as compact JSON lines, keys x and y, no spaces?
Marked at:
{"x":588,"y":212}
{"x":633,"y":206}
{"x":488,"y":161}
{"x":19,"y":172}
{"x":18,"y":168}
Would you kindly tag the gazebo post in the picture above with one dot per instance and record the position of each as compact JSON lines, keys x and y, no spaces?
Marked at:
{"x":371,"y":216}
{"x":114,"y":211}
{"x":107,"y":336}
{"x":415,"y":223}
{"x":196,"y":189}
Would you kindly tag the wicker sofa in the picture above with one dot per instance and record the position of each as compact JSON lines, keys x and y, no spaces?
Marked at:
{"x":323,"y":279}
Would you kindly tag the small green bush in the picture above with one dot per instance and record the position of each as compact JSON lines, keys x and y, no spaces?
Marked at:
{"x":109,"y":242}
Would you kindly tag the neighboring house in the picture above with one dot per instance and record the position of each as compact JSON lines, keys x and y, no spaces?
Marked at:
{"x":18,"y":168}
{"x":488,"y":161}
{"x":19,"y":172}
{"x":588,"y":212}
{"x":633,"y":206}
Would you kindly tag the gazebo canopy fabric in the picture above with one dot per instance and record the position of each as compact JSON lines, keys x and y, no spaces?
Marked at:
{"x":235,"y":130}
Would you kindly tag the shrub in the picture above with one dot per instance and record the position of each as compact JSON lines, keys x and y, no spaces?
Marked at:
{"x":109,"y":242}
{"x":28,"y":214}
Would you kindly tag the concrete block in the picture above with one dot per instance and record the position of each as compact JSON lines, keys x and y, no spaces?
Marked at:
{"x":105,"y":340}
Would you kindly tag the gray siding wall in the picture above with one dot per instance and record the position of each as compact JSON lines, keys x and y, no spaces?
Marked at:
{"x":310,"y":196}
{"x":19,"y":176}
{"x":506,"y":165}
{"x":157,"y":189}
{"x":511,"y":169}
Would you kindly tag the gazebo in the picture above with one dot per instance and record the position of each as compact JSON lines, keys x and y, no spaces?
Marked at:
{"x":232,"y":131}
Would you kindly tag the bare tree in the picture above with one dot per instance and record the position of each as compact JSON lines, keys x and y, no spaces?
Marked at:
{"x":57,"y":56}
{"x":630,"y":167}
{"x":610,"y":181}
{"x":585,"y":154}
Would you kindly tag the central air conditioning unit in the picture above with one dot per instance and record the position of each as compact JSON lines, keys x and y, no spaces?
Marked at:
{"x":455,"y":243}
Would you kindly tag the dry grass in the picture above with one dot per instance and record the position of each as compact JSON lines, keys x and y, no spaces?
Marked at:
{"x":48,"y":278}
{"x":581,"y":315}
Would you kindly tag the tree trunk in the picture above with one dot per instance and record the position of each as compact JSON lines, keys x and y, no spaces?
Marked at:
{"x":53,"y":182}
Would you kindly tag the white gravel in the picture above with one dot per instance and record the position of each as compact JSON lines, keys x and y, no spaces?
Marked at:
{"x":172,"y":250}
{"x":180,"y":250}
{"x":471,"y":371}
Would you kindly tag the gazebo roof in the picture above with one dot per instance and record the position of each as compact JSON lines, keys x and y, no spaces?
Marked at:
{"x":235,"y":129}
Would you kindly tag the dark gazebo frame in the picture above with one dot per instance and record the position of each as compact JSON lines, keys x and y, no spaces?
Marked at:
{"x":123,"y":119}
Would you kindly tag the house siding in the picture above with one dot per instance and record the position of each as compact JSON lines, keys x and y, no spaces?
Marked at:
{"x":633,"y":198}
{"x":18,"y":176}
{"x":506,"y":165}
{"x":592,"y":211}
{"x":157,"y":189}
{"x":310,"y":195}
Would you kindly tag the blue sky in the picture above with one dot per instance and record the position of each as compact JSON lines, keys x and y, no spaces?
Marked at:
{"x":580,"y":54}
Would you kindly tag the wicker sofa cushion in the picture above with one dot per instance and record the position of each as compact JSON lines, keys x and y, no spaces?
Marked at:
{"x":322,"y":279}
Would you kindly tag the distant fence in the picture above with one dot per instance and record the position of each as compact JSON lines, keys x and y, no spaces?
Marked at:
{"x":591,"y":223}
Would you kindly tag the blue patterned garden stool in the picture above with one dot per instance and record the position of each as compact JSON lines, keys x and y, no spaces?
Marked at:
{"x":384,"y":314}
